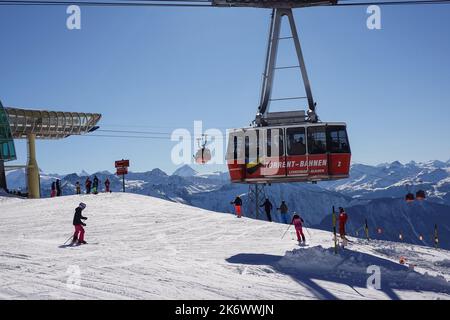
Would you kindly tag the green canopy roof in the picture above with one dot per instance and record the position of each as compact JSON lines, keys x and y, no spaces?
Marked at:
{"x":7,"y":150}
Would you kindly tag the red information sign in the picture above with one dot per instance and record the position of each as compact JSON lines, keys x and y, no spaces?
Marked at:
{"x":121,"y":171}
{"x":122,"y":163}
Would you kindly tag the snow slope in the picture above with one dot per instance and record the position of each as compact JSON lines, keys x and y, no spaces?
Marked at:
{"x":147,"y":248}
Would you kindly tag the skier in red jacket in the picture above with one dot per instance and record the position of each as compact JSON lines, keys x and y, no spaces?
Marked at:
{"x":297,"y":221}
{"x":342,"y":221}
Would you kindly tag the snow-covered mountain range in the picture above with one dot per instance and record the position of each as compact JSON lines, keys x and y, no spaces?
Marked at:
{"x":392,"y":180}
{"x":373,"y":192}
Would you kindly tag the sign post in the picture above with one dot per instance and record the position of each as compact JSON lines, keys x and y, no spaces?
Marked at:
{"x":436,"y":236}
{"x":334,"y":232}
{"x":366,"y":229}
{"x":122,"y":170}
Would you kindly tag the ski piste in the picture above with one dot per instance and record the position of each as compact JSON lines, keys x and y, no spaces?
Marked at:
{"x":148,"y":238}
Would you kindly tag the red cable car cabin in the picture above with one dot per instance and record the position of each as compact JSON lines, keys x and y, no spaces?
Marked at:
{"x":293,"y":153}
{"x":202,"y":156}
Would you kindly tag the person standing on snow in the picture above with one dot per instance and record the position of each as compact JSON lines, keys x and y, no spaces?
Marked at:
{"x":237,"y":206}
{"x":95,"y":185}
{"x":53,"y":190}
{"x":107,"y":184}
{"x":58,"y":188}
{"x":88,"y":185}
{"x":284,"y":212}
{"x":77,"y":187}
{"x":297,"y":221}
{"x":78,"y":236}
{"x":342,"y":221}
{"x":267,"y":208}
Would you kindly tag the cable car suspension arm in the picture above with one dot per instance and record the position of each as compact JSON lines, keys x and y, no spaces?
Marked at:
{"x":271,"y":57}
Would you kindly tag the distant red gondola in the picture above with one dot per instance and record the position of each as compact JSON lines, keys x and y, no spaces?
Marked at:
{"x":409,"y":197}
{"x":420,"y":195}
{"x":203,"y":154}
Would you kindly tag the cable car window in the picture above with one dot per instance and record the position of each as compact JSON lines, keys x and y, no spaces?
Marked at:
{"x":276,"y":140}
{"x":257,"y":145}
{"x":337,"y":139}
{"x":296,"y":144}
{"x":235,"y":148}
{"x":317,"y":142}
{"x":247,"y":149}
{"x":252,"y":146}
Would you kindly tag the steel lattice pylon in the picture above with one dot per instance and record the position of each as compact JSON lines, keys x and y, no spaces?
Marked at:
{"x":255,"y":198}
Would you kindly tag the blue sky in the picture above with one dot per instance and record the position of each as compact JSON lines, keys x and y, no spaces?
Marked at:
{"x":158,"y":69}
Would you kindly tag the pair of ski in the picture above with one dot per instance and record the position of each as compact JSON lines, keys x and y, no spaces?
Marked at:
{"x":76,"y":244}
{"x":344,"y":242}
{"x":73,"y":243}
{"x":301,"y":243}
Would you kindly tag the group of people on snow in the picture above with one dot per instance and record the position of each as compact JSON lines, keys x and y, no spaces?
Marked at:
{"x":93,"y":185}
{"x":56,"y":190}
{"x":284,"y":210}
{"x":90,"y":185}
{"x":296,"y":220}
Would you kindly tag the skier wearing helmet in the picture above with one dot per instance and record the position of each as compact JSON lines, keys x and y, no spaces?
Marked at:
{"x":297,"y":221}
{"x":78,"y":236}
{"x":342,"y":221}
{"x":237,"y":206}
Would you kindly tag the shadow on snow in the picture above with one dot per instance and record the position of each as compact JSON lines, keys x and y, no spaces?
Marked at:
{"x":347,"y":268}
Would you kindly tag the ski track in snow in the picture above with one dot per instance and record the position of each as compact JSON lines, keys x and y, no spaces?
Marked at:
{"x":147,"y":248}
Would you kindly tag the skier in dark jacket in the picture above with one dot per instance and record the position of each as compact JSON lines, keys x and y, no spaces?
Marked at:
{"x":284,"y":212}
{"x":267,"y":208}
{"x":107,"y":185}
{"x":58,"y":188}
{"x":88,"y":184}
{"x":237,"y":206}
{"x":78,"y":236}
{"x":53,"y":192}
{"x":95,"y":185}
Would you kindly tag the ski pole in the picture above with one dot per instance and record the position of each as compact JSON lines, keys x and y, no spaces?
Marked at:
{"x":286,"y":231}
{"x":334,"y":231}
{"x":71,"y":235}
{"x":309,"y":234}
